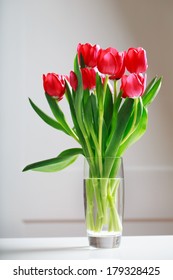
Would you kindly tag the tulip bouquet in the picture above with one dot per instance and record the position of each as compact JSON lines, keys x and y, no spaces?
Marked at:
{"x":108,"y":101}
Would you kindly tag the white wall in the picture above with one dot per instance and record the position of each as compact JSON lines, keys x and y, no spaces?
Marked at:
{"x":41,"y":36}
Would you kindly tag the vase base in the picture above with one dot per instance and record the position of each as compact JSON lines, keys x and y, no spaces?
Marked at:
{"x":104,"y":242}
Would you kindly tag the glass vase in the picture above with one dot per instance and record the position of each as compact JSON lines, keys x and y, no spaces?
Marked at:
{"x":104,"y":201}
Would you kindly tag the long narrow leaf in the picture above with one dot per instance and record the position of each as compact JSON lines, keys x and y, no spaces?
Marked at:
{"x":108,"y":107}
{"x":150,"y":85}
{"x":136,"y":135}
{"x":150,"y":95}
{"x":46,"y":118}
{"x":94,"y":106}
{"x":79,"y":91}
{"x":73,"y":114}
{"x":131,"y":138}
{"x":57,"y":112}
{"x":116,"y":107}
{"x":134,"y":119}
{"x":78,"y":102}
{"x":99,"y":90}
{"x":63,"y":160}
{"x":89,"y":123}
{"x":122,"y":120}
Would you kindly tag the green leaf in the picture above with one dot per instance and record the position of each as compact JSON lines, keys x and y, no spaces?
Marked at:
{"x":108,"y":107}
{"x":79,"y":91}
{"x":116,"y":107}
{"x":118,"y":101}
{"x":89,"y":124}
{"x":63,"y":160}
{"x":135,"y":118}
{"x":99,"y":90}
{"x":70,"y":102}
{"x":152,"y":91}
{"x":85,"y":96}
{"x":88,"y":121}
{"x":57,"y":112}
{"x":73,"y":114}
{"x":136,"y":135}
{"x":150,"y":85}
{"x":94,"y":106}
{"x":104,"y":137}
{"x":46,"y":118}
{"x":78,"y":102}
{"x":122,"y":121}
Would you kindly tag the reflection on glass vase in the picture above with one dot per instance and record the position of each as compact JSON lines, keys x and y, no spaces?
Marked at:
{"x":104,"y":201}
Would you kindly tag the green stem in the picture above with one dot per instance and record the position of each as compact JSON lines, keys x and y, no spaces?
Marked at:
{"x":114,"y":222}
{"x":101,"y":114}
{"x":115,"y":167}
{"x":104,"y":183}
{"x":89,"y":205}
{"x":93,"y":195}
{"x":115,"y":90}
{"x":98,"y":196}
{"x":104,"y":193}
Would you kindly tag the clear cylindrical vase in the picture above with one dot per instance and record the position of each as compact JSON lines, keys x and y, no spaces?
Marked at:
{"x":104,"y":201}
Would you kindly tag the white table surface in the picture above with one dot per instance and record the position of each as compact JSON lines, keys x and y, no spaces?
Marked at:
{"x":132,"y":247}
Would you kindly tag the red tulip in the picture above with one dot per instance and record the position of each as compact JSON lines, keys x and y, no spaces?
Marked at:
{"x":136,"y":60}
{"x":73,"y":80}
{"x":54,"y":85}
{"x":133,"y":85}
{"x":88,"y":78}
{"x":111,"y":62}
{"x":89,"y":53}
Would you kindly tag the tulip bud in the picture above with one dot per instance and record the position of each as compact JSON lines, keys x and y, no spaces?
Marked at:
{"x":136,"y":60}
{"x":133,"y":85}
{"x":54,"y":85}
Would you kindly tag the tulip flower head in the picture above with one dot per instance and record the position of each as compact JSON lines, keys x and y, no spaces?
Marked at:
{"x":54,"y":85}
{"x":89,"y":54}
{"x":133,"y":85}
{"x":111,"y":62}
{"x":136,"y":60}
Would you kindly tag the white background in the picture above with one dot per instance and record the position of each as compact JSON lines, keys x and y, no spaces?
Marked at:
{"x":41,"y":36}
